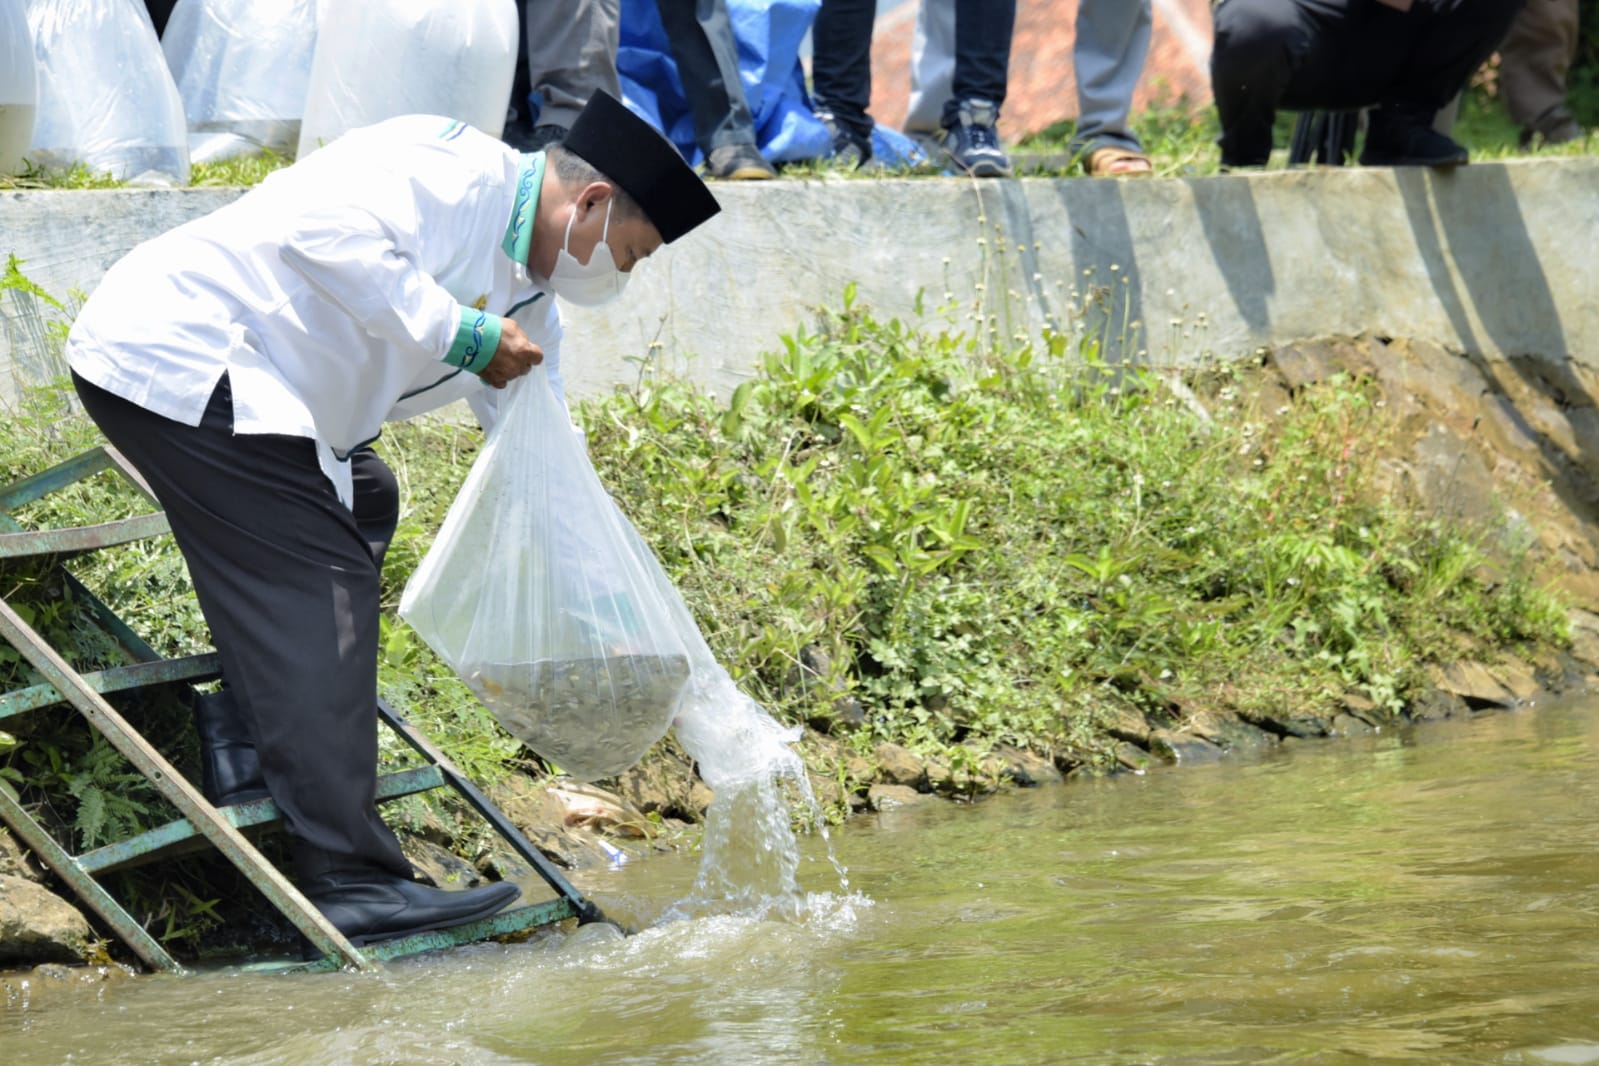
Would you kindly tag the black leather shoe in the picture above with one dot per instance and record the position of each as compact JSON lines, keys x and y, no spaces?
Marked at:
{"x":229,"y":770}
{"x":379,"y":906}
{"x":1397,"y":138}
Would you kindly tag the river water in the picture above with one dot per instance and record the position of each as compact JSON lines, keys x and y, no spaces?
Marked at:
{"x":1426,"y":895}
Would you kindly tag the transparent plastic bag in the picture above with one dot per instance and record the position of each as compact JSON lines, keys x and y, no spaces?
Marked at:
{"x":540,"y":594}
{"x":435,"y":57}
{"x":106,"y":97}
{"x":242,"y":68}
{"x":19,"y":93}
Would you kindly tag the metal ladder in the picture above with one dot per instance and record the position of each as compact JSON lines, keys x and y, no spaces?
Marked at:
{"x":200,"y":823}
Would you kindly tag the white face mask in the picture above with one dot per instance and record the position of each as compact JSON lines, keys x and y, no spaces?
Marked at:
{"x":588,"y":284}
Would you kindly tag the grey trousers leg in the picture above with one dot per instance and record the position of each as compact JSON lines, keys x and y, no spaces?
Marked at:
{"x":571,"y":52}
{"x":706,"y":50}
{"x":289,"y":587}
{"x":932,"y":66}
{"x":1112,"y":44}
{"x":1534,"y":61}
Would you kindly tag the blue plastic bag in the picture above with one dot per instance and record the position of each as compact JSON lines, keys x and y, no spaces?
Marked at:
{"x":769,"y":33}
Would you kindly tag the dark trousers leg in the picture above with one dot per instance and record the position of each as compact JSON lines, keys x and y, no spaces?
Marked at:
{"x":1451,"y":39}
{"x":289,"y":586}
{"x":1534,"y":62}
{"x":841,"y":61}
{"x":1340,"y":55}
{"x":1269,"y":51}
{"x":701,"y":35}
{"x":983,"y":31}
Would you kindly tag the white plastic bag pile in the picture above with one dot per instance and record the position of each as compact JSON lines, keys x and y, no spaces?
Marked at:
{"x":232,"y":77}
{"x":106,"y":98}
{"x":401,"y":57}
{"x":242,"y":67}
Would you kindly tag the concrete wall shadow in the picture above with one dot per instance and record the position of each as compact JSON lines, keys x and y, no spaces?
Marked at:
{"x":1486,"y":272}
{"x":1105,"y":258}
{"x":1231,"y":224}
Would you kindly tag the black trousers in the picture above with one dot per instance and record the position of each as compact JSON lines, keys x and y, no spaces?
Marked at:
{"x":287,"y":577}
{"x":1339,"y":55}
{"x":841,"y":57}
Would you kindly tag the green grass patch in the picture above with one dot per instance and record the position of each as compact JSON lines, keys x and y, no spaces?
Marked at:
{"x":998,"y":545}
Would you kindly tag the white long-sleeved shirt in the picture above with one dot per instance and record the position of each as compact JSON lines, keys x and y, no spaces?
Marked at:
{"x":340,"y":293}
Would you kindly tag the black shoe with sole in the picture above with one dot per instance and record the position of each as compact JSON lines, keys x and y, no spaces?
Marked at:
{"x":370,"y":906}
{"x":850,"y":149}
{"x":1401,"y":139}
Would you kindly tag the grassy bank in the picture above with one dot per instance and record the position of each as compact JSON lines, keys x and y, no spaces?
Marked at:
{"x":894,"y":532}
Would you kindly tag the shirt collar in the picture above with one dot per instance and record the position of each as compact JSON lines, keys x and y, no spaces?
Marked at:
{"x":519,"y":230}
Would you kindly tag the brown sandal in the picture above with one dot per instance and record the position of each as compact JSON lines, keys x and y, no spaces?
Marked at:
{"x":1114,"y":162}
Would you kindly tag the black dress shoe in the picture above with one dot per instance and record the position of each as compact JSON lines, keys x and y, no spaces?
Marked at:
{"x":379,"y":906}
{"x":230,"y":772}
{"x":1398,"y":138}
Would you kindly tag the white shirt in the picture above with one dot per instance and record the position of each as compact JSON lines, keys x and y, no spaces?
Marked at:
{"x":329,"y":294}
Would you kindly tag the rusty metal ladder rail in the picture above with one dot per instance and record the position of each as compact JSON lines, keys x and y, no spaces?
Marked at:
{"x":200,"y":822}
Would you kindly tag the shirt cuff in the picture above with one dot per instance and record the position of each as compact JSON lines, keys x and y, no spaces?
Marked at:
{"x":476,"y":340}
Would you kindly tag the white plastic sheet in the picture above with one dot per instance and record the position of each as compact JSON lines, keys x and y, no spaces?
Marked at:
{"x":19,"y":93}
{"x":242,"y":68}
{"x":376,"y":60}
{"x":106,"y":97}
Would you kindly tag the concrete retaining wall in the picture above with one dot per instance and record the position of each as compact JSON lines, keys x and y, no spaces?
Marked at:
{"x":1495,"y":259}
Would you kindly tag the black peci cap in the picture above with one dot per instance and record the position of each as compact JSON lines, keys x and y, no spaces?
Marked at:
{"x":630,"y":152}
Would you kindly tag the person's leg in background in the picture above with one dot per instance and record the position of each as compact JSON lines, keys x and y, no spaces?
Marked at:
{"x":932,"y":72}
{"x":983,"y":30}
{"x":1534,"y":61}
{"x":841,"y":75}
{"x":1259,"y":49}
{"x":1111,"y":45}
{"x":701,"y":37}
{"x":571,"y":52}
{"x":1448,"y":41}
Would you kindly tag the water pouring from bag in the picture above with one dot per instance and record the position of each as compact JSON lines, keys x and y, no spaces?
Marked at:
{"x":750,"y":863}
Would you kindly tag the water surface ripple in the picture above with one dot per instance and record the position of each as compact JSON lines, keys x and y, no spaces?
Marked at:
{"x":1430,"y":895}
